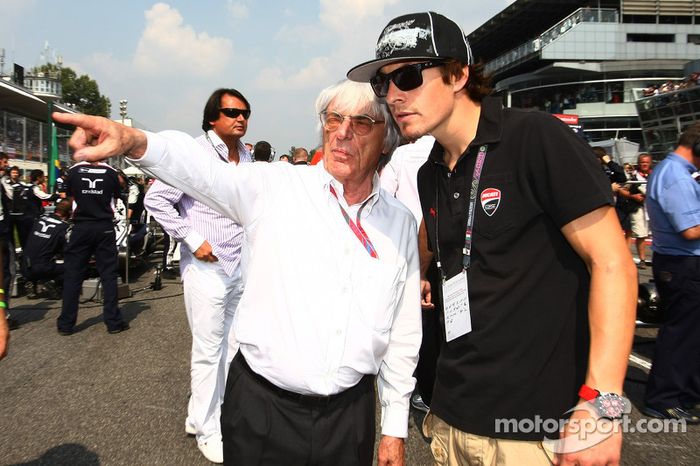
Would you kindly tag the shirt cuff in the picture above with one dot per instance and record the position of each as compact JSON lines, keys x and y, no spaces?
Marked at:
{"x":194,"y":240}
{"x":395,"y":422}
{"x":155,"y":151}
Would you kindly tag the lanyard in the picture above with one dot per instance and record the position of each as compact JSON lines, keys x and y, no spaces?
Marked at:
{"x":357,"y":228}
{"x":216,"y":149}
{"x":468,"y":234}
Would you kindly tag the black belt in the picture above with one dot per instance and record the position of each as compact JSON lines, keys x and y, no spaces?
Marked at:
{"x":307,"y":400}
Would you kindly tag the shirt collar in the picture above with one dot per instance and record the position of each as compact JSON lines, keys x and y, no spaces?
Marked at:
{"x":328,"y":180}
{"x":489,"y":129}
{"x":221,"y":147}
{"x":677,"y":158}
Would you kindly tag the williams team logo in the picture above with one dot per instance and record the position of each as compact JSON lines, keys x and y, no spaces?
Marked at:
{"x":490,"y":200}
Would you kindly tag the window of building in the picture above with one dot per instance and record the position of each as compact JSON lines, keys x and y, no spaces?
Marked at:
{"x":694,"y":39}
{"x":639,"y":37}
{"x":675,"y":19}
{"x":639,"y":19}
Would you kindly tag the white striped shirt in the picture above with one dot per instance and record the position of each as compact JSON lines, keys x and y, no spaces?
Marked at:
{"x":192,"y":222}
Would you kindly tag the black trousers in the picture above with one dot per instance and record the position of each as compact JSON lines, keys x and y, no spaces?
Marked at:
{"x":674,"y":379}
{"x":43,"y":271}
{"x":264,"y":425}
{"x":7,"y":256}
{"x":86,"y":239}
{"x":24,"y":224}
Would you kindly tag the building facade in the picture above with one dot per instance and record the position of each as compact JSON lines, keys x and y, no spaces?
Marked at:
{"x":591,"y":59}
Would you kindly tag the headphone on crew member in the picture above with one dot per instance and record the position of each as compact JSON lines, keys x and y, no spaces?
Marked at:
{"x":696,"y":148}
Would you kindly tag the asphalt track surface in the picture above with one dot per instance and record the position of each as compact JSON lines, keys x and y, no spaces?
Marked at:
{"x":98,"y":399}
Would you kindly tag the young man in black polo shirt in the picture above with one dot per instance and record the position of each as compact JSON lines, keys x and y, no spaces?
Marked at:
{"x":539,"y":246}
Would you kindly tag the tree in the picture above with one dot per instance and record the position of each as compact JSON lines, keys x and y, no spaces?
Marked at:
{"x":80,"y":91}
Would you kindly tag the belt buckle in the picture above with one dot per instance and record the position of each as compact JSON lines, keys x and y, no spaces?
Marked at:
{"x":318,"y":400}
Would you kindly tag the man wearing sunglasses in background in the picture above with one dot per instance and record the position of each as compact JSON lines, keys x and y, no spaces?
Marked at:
{"x":301,"y":389}
{"x":209,"y":267}
{"x":531,"y":256}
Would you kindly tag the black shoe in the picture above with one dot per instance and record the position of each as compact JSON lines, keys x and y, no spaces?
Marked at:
{"x":676,"y":413}
{"x":65,"y":333}
{"x":123,"y":327}
{"x":641,"y":265}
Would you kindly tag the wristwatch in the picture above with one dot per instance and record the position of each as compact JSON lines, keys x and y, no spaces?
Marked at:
{"x":608,"y":405}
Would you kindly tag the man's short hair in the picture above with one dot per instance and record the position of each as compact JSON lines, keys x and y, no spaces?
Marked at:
{"x":300,"y":155}
{"x":690,"y":137}
{"x":211,"y":108}
{"x":348,"y":94}
{"x":13,"y":168}
{"x":262,"y":151}
{"x":34,"y":175}
{"x":642,"y":156}
{"x":64,"y":208}
{"x":479,"y":83}
{"x":4,"y":156}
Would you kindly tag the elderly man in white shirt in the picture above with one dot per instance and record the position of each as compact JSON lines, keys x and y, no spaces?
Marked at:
{"x":301,"y":389}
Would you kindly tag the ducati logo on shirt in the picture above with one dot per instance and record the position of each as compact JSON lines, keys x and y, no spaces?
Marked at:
{"x":490,"y":200}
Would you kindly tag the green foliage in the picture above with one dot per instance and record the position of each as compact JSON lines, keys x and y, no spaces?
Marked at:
{"x":80,"y":91}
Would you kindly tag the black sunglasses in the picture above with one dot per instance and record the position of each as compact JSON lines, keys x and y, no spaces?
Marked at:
{"x":406,"y":78}
{"x":235,"y":112}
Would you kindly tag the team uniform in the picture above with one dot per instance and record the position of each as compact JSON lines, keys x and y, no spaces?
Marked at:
{"x":527,"y":352}
{"x":94,"y":188}
{"x":26,"y":206}
{"x":46,"y":240}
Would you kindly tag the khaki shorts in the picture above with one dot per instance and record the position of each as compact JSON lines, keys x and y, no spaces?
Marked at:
{"x":452,"y":447}
{"x":639,"y":225}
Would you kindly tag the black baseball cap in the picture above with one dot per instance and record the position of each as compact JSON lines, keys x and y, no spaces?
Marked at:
{"x":416,"y":36}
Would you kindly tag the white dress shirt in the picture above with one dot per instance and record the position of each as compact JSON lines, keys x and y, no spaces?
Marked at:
{"x":318,"y":312}
{"x":399,"y":176}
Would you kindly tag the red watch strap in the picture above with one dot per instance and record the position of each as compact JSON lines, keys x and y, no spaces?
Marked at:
{"x":588,"y":393}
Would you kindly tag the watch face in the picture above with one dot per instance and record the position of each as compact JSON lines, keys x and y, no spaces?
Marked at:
{"x":612,"y":405}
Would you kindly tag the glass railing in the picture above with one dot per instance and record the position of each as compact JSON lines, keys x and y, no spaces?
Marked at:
{"x":582,"y":15}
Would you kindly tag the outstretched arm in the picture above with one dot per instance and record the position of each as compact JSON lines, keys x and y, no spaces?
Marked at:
{"x":98,"y":138}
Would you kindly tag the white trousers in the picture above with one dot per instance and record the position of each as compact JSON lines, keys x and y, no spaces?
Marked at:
{"x":211,"y":298}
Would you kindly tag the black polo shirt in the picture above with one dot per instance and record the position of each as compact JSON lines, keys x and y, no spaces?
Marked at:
{"x":528,"y":289}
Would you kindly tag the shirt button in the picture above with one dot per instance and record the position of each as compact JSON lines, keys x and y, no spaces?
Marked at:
{"x":338,"y":332}
{"x":456,"y":195}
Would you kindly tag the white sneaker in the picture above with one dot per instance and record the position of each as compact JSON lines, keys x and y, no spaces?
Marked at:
{"x":189,"y":428}
{"x":213,"y":450}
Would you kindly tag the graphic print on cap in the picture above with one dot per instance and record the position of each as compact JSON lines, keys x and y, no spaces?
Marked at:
{"x":490,"y":200}
{"x":399,"y":37}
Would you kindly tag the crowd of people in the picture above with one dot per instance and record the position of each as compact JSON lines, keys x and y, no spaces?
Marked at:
{"x":669,"y":86}
{"x":478,"y":248}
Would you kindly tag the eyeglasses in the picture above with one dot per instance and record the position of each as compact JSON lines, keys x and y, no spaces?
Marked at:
{"x":235,"y":112}
{"x":406,"y":78}
{"x":360,"y":124}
